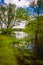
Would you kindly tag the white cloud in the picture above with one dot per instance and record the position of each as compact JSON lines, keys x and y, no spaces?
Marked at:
{"x":19,"y":3}
{"x":7,"y":1}
{"x":22,"y":3}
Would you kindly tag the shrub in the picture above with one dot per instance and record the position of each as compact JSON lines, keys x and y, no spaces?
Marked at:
{"x":7,"y":31}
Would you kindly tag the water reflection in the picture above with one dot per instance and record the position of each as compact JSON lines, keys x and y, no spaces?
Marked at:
{"x":21,"y":25}
{"x":20,"y":34}
{"x":23,"y":45}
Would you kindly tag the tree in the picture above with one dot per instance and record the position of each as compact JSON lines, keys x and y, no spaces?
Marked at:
{"x":36,"y":29}
{"x":2,"y":15}
{"x":10,"y":15}
{"x":22,"y":14}
{"x":7,"y":17}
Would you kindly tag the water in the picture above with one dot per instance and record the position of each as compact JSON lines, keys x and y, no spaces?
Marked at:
{"x":23,"y":46}
{"x":21,"y":25}
{"x":20,"y":34}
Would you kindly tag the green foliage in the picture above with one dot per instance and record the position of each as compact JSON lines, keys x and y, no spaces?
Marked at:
{"x":11,"y":12}
{"x":7,"y":31}
{"x":34,"y":27}
{"x":7,"y":56}
{"x":7,"y":15}
{"x":22,"y":14}
{"x":39,"y":2}
{"x":15,"y":56}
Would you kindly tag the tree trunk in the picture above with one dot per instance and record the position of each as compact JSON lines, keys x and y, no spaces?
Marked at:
{"x":36,"y":33}
{"x":36,"y":43}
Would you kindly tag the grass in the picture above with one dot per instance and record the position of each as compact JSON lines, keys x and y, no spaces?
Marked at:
{"x":7,"y":56}
{"x":14,"y":56}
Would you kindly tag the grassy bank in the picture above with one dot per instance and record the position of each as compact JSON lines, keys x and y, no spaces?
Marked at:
{"x":11,"y":56}
{"x":7,"y":56}
{"x":14,"y":56}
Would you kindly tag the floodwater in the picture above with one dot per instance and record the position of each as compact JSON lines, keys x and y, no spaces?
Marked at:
{"x":20,"y":34}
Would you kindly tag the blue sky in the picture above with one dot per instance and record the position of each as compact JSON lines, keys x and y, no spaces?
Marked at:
{"x":2,"y":1}
{"x":21,"y":3}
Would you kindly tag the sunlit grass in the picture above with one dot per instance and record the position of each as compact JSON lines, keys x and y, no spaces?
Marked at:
{"x":7,"y":56}
{"x":15,"y":56}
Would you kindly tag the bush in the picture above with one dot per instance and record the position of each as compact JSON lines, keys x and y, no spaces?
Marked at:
{"x":7,"y":31}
